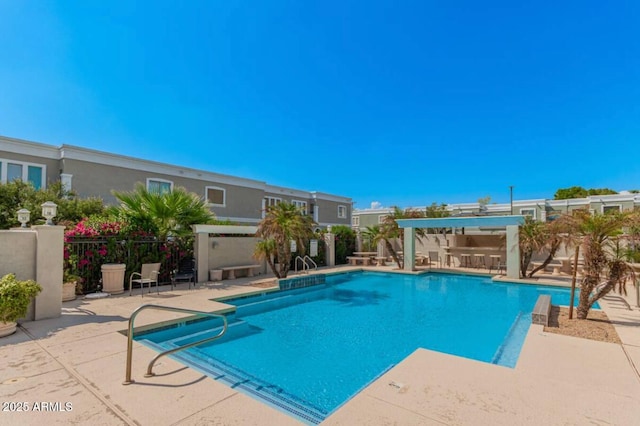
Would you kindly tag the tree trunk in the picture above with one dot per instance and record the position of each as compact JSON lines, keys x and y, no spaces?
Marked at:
{"x":552,"y":253}
{"x":394,"y":255}
{"x":525,"y":259}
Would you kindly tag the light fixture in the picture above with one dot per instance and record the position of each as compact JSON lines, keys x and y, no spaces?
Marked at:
{"x":23,"y":217}
{"x":49,"y":210}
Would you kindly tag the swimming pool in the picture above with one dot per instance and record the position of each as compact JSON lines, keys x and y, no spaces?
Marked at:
{"x":307,"y":351}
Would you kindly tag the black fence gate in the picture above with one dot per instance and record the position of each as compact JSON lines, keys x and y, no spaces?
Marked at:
{"x":84,"y":257}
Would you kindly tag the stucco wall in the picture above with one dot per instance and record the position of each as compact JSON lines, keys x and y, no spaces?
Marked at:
{"x":233,"y":251}
{"x":18,"y":254}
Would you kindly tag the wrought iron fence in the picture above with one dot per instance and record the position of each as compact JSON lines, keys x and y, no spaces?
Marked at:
{"x":84,"y":257}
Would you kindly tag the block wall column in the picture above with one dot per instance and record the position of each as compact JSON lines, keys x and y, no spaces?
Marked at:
{"x":513,"y":252}
{"x":201,"y":254}
{"x":409,"y":252}
{"x":49,"y":264}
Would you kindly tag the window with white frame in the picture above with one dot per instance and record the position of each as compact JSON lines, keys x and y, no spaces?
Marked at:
{"x":301,"y":205}
{"x":159,"y":186}
{"x":216,"y":196}
{"x":269,"y":202}
{"x":342,"y":212}
{"x":612,"y":208}
{"x":528,"y":212}
{"x":355,"y":221}
{"x":32,"y":173}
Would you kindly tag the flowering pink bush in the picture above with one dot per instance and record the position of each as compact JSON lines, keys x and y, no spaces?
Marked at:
{"x":92,"y":243}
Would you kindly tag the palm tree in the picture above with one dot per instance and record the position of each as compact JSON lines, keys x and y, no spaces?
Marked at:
{"x":532,"y":237}
{"x":604,"y":268}
{"x":389,"y":230}
{"x":266,"y":250}
{"x":282,"y":224}
{"x":168,"y":214}
{"x":535,"y":236}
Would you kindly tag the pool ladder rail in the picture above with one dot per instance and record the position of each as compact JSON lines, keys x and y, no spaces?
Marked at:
{"x":307,"y":262}
{"x":135,"y":313}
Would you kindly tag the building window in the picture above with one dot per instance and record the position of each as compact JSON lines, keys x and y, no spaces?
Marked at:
{"x":381,"y":218}
{"x":159,"y":186}
{"x":616,"y":208}
{"x":269,"y":202}
{"x":355,"y":221}
{"x":27,"y":172}
{"x":301,"y":205}
{"x":528,"y":212}
{"x":216,"y":196}
{"x":342,"y":212}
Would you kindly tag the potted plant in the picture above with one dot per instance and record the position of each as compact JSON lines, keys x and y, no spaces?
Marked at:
{"x":15,"y":296}
{"x":69,"y":286}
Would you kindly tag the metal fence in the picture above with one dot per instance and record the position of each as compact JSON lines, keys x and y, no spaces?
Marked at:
{"x":84,"y":257}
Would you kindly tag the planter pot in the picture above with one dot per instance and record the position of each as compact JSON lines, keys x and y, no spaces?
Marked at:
{"x":215,"y":274}
{"x":69,"y":291}
{"x":113,"y":278}
{"x":7,"y":328}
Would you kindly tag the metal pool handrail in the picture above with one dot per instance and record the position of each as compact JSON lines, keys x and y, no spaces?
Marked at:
{"x":308,"y":259}
{"x":128,"y":379}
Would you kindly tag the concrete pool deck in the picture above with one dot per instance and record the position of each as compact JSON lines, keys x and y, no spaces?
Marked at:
{"x":79,"y":359}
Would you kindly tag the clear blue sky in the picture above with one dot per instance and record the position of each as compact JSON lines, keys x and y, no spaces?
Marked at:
{"x":400,"y":102}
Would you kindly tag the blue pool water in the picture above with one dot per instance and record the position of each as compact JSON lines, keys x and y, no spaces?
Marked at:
{"x":309,"y":350}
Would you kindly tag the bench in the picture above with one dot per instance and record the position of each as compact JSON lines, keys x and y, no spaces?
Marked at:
{"x":232,"y":270}
{"x":541,"y":310}
{"x":380,"y":260}
{"x":353,"y":260}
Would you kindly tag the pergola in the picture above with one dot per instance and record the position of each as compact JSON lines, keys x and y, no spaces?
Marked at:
{"x":510,"y":223}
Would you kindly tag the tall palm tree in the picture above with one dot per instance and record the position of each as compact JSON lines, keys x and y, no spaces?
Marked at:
{"x":283,"y":223}
{"x":604,"y":268}
{"x":167,"y":214}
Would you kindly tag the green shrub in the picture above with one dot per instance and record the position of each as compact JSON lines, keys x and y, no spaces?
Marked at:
{"x":15,"y":296}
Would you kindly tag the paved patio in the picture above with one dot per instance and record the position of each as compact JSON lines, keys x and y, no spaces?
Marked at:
{"x":79,"y":359}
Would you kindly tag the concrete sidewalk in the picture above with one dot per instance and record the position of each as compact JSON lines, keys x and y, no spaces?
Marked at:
{"x":70,"y":370}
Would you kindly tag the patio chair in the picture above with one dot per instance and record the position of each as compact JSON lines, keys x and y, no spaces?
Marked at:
{"x":147,"y":275}
{"x":186,"y":271}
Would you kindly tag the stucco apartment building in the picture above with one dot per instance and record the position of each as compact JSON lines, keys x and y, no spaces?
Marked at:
{"x":91,"y":173}
{"x":539,"y":209}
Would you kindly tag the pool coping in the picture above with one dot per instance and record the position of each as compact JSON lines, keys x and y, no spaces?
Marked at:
{"x":79,"y":358}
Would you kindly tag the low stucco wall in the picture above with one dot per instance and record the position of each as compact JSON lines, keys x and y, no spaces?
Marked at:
{"x":233,"y":251}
